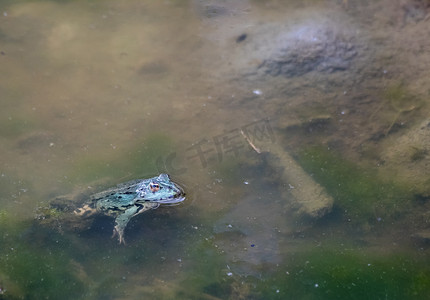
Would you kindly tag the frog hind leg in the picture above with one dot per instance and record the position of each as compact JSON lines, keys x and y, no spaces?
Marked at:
{"x":122,"y":220}
{"x":85,"y":211}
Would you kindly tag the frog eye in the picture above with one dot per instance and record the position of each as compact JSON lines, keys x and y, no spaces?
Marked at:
{"x":154,"y":187}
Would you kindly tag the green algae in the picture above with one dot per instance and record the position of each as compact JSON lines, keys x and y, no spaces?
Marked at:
{"x":348,"y":274}
{"x":13,"y":127}
{"x":229,"y":169}
{"x":400,"y":99}
{"x":320,"y":273}
{"x":397,"y":101}
{"x":42,"y":274}
{"x":35,"y":270}
{"x":207,"y":274}
{"x":361,"y":195}
{"x":139,"y":160}
{"x":418,"y":153}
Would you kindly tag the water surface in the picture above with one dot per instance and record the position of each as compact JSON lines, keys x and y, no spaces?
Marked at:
{"x":94,"y":93}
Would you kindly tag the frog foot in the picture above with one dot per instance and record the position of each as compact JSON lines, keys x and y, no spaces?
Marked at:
{"x":117,"y":231}
{"x":86,"y":211}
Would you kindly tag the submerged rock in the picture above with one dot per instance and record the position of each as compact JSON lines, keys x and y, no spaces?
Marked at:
{"x":415,"y":11}
{"x":323,"y":42}
{"x":307,"y":48}
{"x":410,"y":153}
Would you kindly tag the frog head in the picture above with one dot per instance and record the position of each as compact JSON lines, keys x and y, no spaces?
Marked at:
{"x":161,"y":190}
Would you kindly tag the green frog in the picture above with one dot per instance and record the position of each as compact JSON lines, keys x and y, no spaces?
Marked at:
{"x":131,"y":198}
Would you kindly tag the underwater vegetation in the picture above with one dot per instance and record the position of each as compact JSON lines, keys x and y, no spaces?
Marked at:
{"x":396,"y":101}
{"x":34,"y":269}
{"x":37,"y":262}
{"x":401,"y":101}
{"x":360,"y":194}
{"x":319,"y":273}
{"x":31,"y":271}
{"x":349,"y":274}
{"x":207,"y":276}
{"x":418,"y":153}
{"x":138,"y":160}
{"x":10,"y":128}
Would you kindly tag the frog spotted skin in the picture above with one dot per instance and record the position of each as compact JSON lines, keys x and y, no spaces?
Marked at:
{"x":132,"y":198}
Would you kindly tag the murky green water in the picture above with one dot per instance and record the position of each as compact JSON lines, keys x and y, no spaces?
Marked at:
{"x":298,"y":128}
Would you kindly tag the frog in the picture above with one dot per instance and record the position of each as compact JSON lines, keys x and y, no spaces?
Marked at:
{"x":130,"y":199}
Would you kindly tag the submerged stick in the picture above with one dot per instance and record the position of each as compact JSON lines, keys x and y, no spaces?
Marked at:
{"x":309,"y":198}
{"x":249,"y":142}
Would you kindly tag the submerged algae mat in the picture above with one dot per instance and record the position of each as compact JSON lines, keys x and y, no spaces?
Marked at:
{"x":51,"y":270}
{"x":318,"y":273}
{"x":362,"y":195}
{"x":31,"y":270}
{"x":348,"y":274}
{"x":37,"y":262}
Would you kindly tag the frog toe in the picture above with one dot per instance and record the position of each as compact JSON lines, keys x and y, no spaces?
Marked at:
{"x":85,"y":211}
{"x":120,"y":233}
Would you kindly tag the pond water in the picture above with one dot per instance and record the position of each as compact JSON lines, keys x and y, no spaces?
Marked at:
{"x":298,"y":129}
